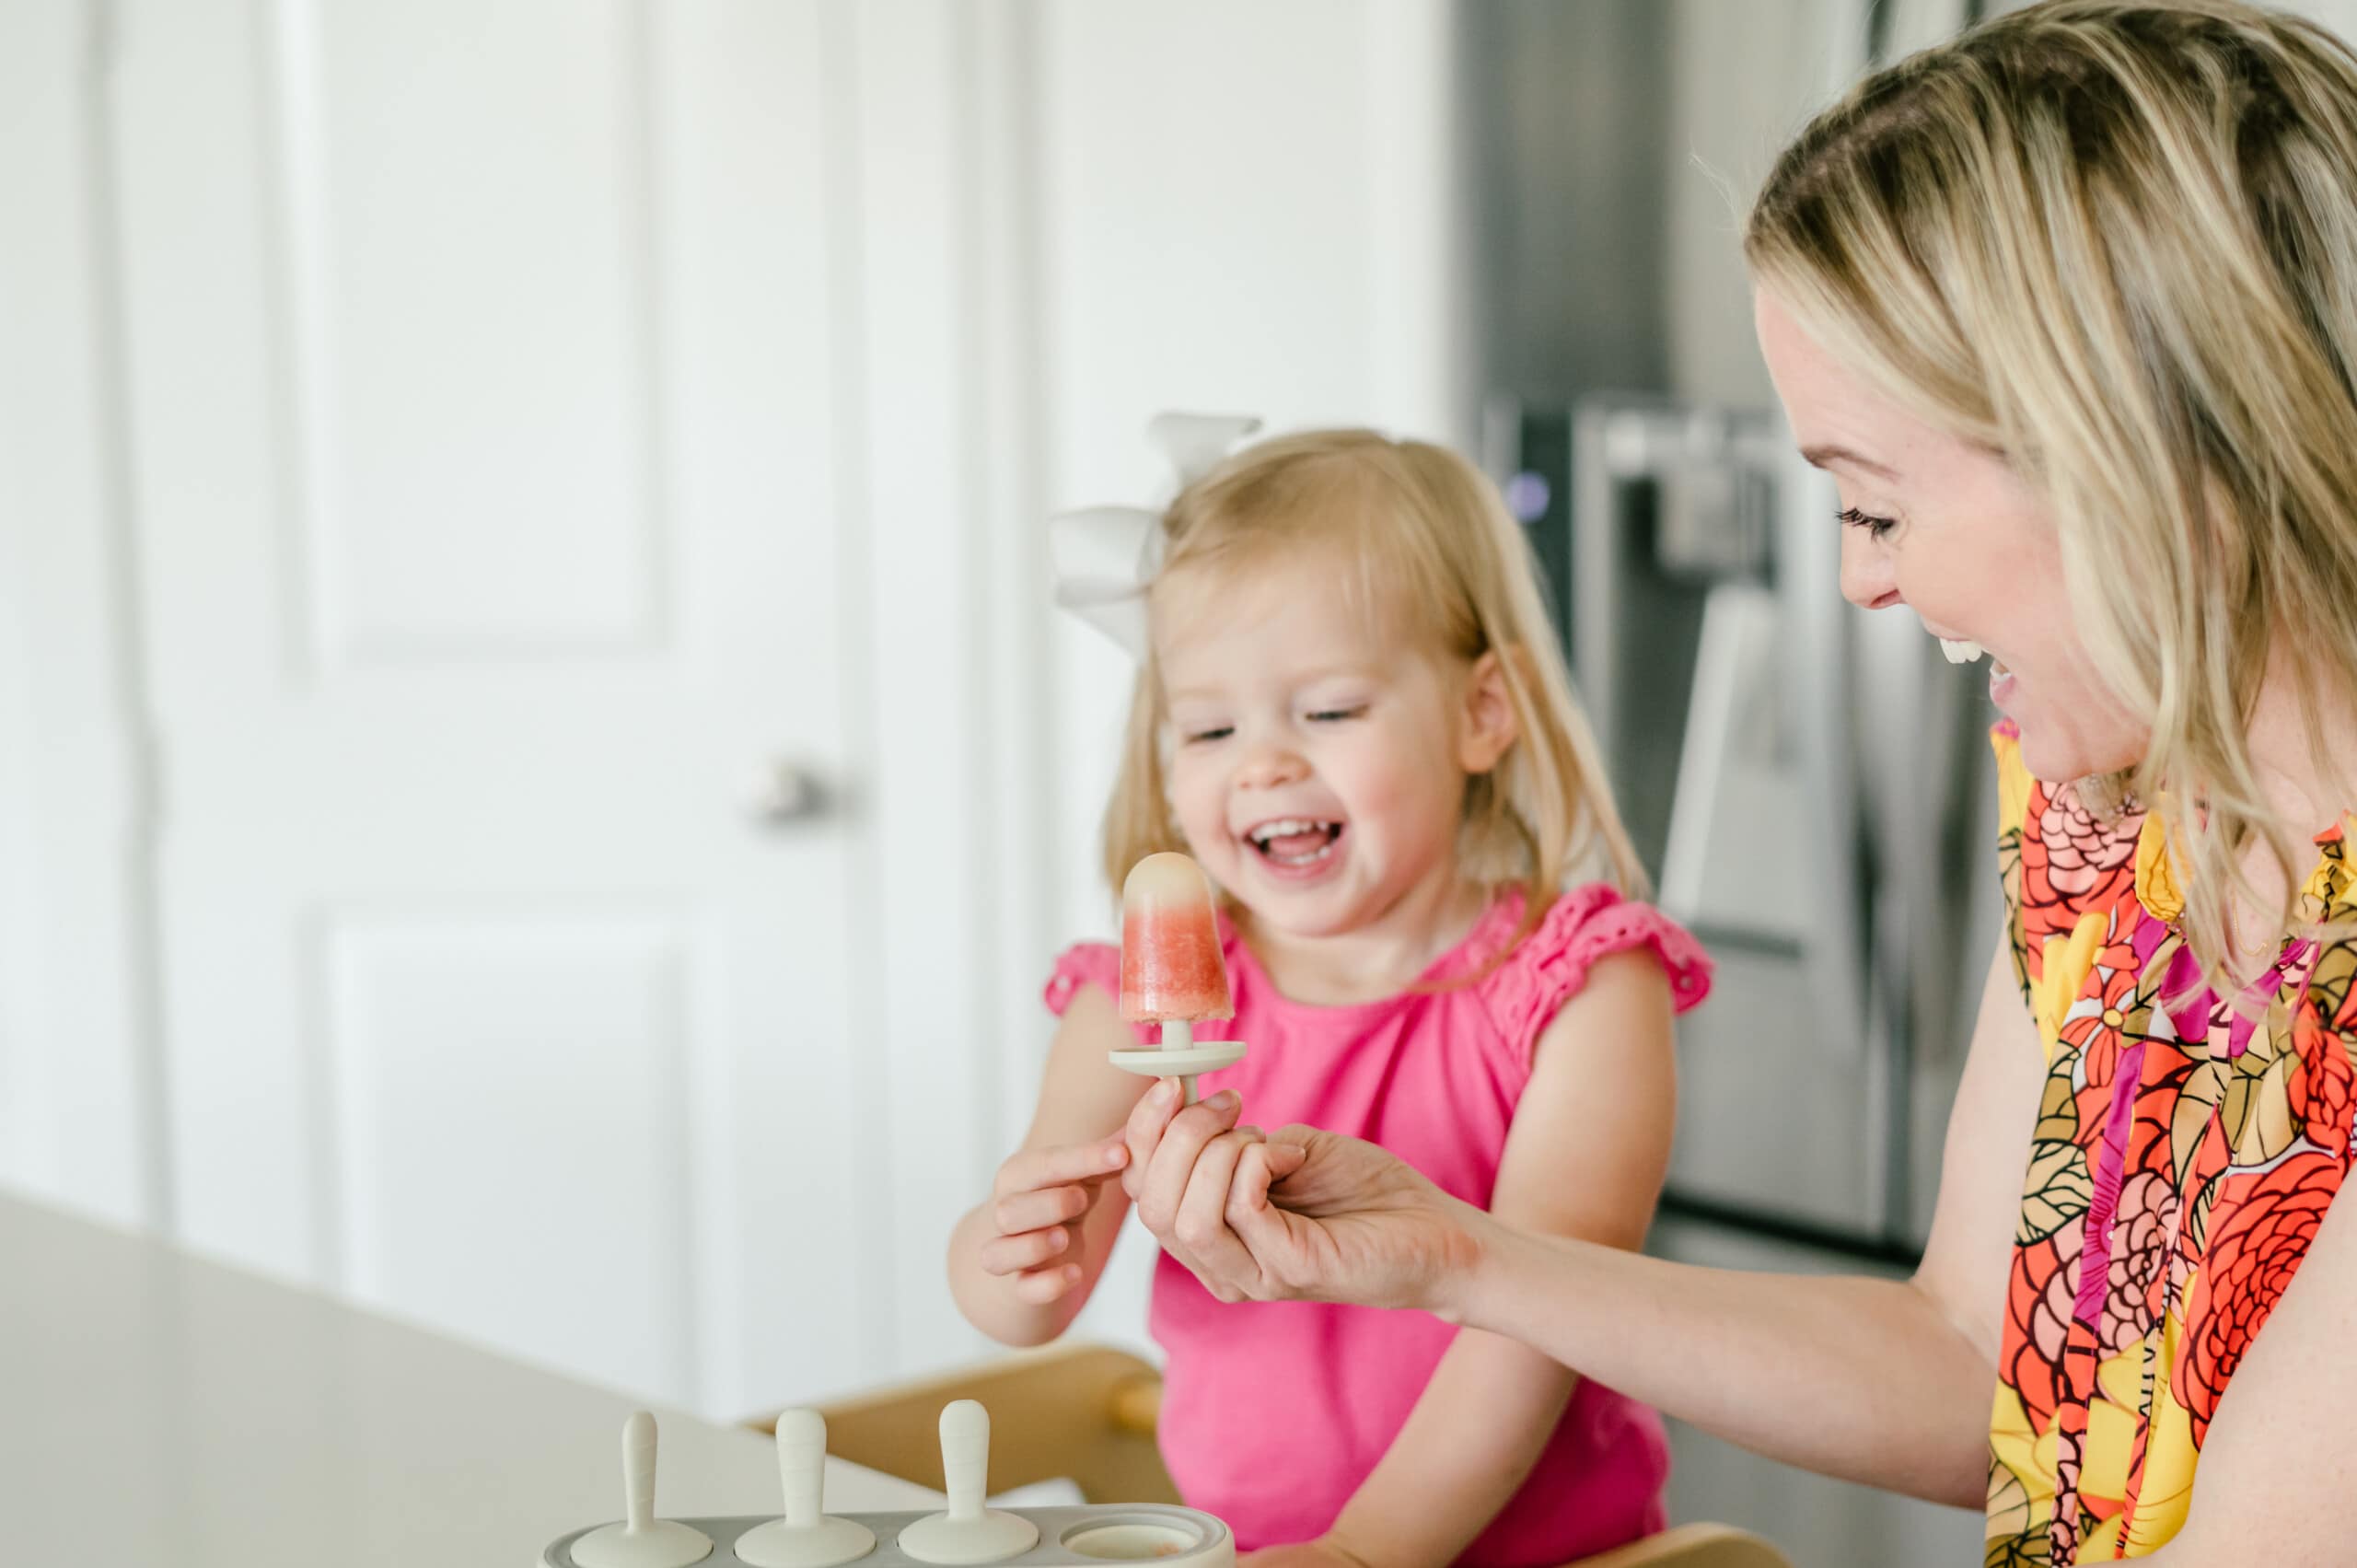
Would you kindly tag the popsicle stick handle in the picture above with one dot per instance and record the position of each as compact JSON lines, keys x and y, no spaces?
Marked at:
{"x":1179,"y":1034}
{"x":638,"y":1471}
{"x":802,"y":1465}
{"x":965,"y":1456}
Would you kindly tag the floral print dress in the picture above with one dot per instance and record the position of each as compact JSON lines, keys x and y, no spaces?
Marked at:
{"x":2184,"y":1154}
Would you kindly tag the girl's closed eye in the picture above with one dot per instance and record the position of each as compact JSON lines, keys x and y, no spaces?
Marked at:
{"x":1339,"y":713}
{"x":1207,"y":733}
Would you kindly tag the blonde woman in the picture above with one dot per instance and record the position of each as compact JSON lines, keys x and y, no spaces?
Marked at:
{"x":2068,"y":306}
{"x":1352,"y":714}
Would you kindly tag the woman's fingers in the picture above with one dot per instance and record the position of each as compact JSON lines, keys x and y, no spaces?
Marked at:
{"x":1148,"y":1121}
{"x":1210,"y":1248}
{"x":1259,"y":1228}
{"x":1262,"y":1166}
{"x":1172,"y":1161}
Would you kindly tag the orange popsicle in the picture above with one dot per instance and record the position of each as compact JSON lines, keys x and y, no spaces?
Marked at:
{"x":1171,"y":968}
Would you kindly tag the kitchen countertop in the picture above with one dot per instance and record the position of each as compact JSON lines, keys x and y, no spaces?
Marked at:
{"x":156,"y":1409}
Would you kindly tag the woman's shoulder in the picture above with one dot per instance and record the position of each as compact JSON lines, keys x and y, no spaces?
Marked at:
{"x":1527,"y":981}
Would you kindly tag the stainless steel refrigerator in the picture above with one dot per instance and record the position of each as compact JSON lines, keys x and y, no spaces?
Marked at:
{"x":1809,"y":784}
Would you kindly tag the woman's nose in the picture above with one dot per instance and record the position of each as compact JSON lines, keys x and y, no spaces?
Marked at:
{"x":1867,"y":579}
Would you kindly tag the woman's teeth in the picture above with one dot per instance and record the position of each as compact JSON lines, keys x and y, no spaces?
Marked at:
{"x":1960,"y":651}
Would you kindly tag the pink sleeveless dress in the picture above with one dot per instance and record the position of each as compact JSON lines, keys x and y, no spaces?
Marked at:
{"x":1274,"y":1412}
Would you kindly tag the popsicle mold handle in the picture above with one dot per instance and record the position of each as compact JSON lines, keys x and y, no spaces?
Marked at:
{"x":802,"y":1464}
{"x":965,"y":1456}
{"x":1178,"y":1034}
{"x":638,"y":1471}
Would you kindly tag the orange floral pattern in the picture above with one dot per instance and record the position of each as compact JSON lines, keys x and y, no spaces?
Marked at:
{"x":2184,"y":1153}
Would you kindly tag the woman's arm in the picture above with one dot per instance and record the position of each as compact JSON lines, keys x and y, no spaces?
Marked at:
{"x":1884,"y":1382}
{"x":1052,"y":1206}
{"x":1585,"y":1158}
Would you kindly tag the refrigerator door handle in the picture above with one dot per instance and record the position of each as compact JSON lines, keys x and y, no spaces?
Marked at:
{"x":1820,"y":691}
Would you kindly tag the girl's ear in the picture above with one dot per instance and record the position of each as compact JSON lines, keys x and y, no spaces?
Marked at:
{"x":1488,"y":725}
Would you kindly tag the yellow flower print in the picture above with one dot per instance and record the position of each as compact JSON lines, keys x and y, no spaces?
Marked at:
{"x":2068,"y":959}
{"x":2156,"y":885}
{"x":2169,"y":1454}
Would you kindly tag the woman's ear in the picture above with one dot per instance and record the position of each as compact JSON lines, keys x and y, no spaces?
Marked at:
{"x":1488,"y":725}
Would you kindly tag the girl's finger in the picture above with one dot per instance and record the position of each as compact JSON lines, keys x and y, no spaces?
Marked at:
{"x":1030,"y":1210}
{"x":1029,"y":1169}
{"x":1043,"y":1285}
{"x":1014,"y":1254}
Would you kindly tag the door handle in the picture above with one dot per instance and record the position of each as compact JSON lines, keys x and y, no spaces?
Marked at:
{"x":785,"y":792}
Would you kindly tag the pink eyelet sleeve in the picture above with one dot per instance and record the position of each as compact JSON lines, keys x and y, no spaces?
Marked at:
{"x":1582,"y":926}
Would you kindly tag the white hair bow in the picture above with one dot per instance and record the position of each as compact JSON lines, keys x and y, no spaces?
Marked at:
{"x":1105,"y":557}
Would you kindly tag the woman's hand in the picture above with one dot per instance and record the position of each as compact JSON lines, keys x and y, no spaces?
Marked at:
{"x":1305,"y":1216}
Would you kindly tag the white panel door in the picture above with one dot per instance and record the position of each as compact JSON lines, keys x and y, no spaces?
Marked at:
{"x":483,"y":362}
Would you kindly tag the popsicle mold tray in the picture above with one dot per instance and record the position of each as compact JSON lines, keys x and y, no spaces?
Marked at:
{"x":1069,"y":1537}
{"x":968,"y":1533}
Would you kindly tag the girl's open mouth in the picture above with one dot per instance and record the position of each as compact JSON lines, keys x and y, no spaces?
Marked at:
{"x":1294,"y":842}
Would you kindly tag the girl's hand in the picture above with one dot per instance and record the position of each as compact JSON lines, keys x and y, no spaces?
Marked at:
{"x":1319,"y":1553}
{"x":1035,"y":1204}
{"x":1305,"y":1216}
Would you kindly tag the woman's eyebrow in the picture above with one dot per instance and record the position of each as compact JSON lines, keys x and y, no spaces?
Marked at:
{"x":1826,"y":457}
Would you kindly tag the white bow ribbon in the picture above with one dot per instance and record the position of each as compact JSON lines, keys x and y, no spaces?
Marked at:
{"x":1105,"y":557}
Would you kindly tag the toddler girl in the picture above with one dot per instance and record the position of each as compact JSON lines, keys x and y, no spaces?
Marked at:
{"x":1352,"y":713}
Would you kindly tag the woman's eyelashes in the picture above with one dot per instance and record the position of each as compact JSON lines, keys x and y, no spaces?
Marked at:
{"x":1876,"y":528}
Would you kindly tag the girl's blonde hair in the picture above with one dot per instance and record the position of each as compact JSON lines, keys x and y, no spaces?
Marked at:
{"x":2117,"y":243}
{"x":1423,"y":545}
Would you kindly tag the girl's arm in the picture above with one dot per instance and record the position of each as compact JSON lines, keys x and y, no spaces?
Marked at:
{"x":1585,"y":1158}
{"x":1886,"y":1382}
{"x":1052,"y":1207}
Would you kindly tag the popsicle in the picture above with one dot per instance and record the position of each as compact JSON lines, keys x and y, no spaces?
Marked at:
{"x":1172,"y":972}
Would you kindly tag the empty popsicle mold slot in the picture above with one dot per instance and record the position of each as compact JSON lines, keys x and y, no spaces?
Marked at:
{"x":1133,"y":1537}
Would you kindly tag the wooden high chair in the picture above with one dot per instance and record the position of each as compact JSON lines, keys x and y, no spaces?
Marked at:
{"x":1087,"y":1414}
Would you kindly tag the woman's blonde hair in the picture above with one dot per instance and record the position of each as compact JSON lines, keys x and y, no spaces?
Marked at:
{"x":1423,"y":546}
{"x":2117,"y":243}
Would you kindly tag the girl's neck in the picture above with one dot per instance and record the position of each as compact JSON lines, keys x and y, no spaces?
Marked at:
{"x":1375,"y":960}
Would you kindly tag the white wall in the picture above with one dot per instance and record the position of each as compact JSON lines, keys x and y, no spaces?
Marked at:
{"x":80,"y":1090}
{"x":1042,"y":221}
{"x":1244,"y":208}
